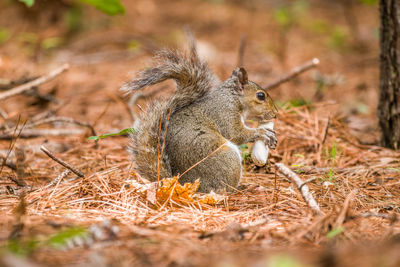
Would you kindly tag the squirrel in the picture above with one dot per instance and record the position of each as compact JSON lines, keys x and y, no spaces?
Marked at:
{"x":196,"y":133}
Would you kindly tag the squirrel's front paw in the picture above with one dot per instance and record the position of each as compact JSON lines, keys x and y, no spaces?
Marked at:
{"x":268,"y":136}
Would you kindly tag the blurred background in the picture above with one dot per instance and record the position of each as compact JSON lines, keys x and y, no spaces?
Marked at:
{"x":106,"y":41}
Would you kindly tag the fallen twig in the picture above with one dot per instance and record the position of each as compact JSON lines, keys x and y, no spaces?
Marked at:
{"x":346,"y":204}
{"x":22,"y":88}
{"x":44,"y":97}
{"x":58,"y":178}
{"x":20,"y":164}
{"x":61,"y":162}
{"x":14,"y":137}
{"x":328,"y":122}
{"x":61,"y":119}
{"x":8,"y":163}
{"x":32,"y":133}
{"x":303,"y":188}
{"x":306,"y":182}
{"x":293,"y":73}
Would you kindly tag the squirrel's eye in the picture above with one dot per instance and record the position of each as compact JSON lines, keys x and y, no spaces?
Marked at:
{"x":260,"y":96}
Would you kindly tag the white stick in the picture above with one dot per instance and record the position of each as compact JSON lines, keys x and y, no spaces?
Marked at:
{"x":260,"y":151}
{"x":303,"y":188}
{"x":24,"y":87}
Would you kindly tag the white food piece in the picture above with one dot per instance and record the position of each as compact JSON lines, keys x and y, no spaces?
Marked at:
{"x":260,"y":151}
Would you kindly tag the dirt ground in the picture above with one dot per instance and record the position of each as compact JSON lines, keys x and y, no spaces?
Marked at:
{"x":327,"y":133}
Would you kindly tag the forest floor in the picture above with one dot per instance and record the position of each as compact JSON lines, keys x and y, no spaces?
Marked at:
{"x":327,"y":133}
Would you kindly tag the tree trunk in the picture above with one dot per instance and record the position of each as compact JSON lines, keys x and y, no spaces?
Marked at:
{"x":389,"y":100}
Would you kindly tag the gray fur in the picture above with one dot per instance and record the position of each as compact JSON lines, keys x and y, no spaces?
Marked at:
{"x":200,"y":122}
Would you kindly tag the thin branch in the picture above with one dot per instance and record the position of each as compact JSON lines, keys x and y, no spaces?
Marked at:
{"x":346,"y":204}
{"x":306,"y":182}
{"x":293,"y":73}
{"x":61,"y":119}
{"x":325,"y":131}
{"x":303,"y":188}
{"x":14,"y":137}
{"x":44,"y":97}
{"x":32,"y":133}
{"x":3,"y":114}
{"x":8,"y":163}
{"x":61,"y":162}
{"x":22,"y":88}
{"x":58,"y":178}
{"x":20,"y":164}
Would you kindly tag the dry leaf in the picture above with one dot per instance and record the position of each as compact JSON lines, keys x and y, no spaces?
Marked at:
{"x":171,"y":189}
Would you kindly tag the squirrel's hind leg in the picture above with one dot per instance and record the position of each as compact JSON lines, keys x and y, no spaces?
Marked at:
{"x":218,"y":172}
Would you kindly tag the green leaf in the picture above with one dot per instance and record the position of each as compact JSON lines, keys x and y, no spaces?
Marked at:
{"x":124,"y":131}
{"x":243,"y":147}
{"x":298,"y":102}
{"x":333,"y":152}
{"x":283,"y":17}
{"x":283,"y":260}
{"x":110,"y":7}
{"x":73,"y":18}
{"x":28,"y":3}
{"x":134,"y":46}
{"x":339,"y":38}
{"x":61,"y":238}
{"x":51,"y":42}
{"x":4,"y":35}
{"x":368,"y":2}
{"x":23,"y":248}
{"x":335,"y":232}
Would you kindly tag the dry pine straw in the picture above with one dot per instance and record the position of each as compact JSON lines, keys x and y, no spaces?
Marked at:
{"x":368,"y":176}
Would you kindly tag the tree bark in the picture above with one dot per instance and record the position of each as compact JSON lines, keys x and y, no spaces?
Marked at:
{"x":389,"y":100}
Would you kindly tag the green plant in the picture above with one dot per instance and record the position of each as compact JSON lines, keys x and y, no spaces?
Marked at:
{"x":124,"y":131}
{"x":338,"y":38}
{"x":368,"y":2}
{"x":245,"y":153}
{"x":298,"y":102}
{"x":331,"y":153}
{"x":22,"y":248}
{"x":28,"y":3}
{"x":4,"y":35}
{"x":51,"y":42}
{"x":110,"y":7}
{"x":286,"y":16}
{"x":283,"y":260}
{"x":60,"y":239}
{"x":56,"y":241}
{"x":246,"y":156}
{"x":330,"y":176}
{"x":335,"y":232}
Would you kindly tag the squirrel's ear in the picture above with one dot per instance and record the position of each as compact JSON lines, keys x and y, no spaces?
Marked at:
{"x":240,"y":74}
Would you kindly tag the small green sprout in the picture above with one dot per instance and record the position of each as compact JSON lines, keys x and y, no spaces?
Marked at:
{"x":124,"y":131}
{"x":335,"y":232}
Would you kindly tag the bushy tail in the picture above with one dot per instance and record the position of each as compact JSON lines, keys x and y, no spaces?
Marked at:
{"x":147,"y":143}
{"x":193,"y":79}
{"x":192,"y":76}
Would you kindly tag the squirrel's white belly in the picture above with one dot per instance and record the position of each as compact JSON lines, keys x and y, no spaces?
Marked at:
{"x":237,"y":150}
